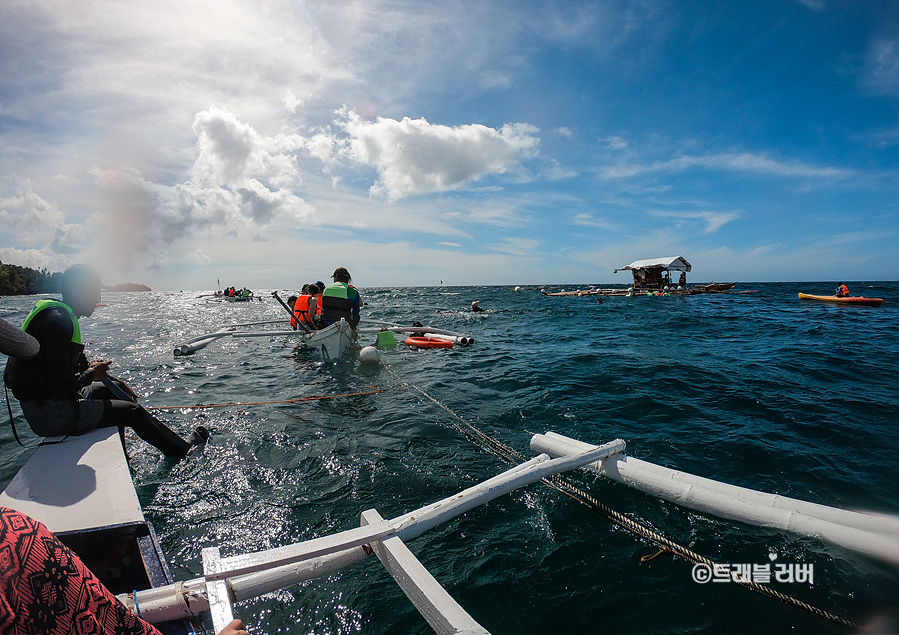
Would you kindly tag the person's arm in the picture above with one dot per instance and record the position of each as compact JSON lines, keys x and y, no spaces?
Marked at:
{"x":356,"y":308}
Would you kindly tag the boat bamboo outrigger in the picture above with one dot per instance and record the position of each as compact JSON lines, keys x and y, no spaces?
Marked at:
{"x":85,"y":515}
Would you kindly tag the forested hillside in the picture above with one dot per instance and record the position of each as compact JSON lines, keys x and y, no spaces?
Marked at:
{"x":16,"y":280}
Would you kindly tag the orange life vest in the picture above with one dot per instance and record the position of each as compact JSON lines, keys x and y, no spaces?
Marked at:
{"x":301,"y":312}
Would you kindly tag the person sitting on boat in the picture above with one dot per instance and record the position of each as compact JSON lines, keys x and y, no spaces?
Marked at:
{"x":340,"y":300}
{"x":316,"y":293}
{"x":841,"y":291}
{"x":46,"y":588}
{"x":60,"y":391}
{"x":475,"y":308}
{"x":304,"y":307}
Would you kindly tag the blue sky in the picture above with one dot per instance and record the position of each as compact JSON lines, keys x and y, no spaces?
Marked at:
{"x":263,"y":144}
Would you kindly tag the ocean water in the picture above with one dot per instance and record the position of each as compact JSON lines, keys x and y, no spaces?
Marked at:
{"x":758,"y":389}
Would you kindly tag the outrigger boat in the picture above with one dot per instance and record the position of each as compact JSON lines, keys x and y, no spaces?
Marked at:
{"x":81,"y":489}
{"x":331,"y":341}
{"x":53,"y":487}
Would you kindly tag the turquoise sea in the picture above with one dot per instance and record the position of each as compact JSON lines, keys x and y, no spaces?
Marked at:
{"x":758,"y":389}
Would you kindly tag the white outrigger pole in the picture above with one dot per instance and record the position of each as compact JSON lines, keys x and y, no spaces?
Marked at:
{"x":240,"y":577}
{"x":246,"y":576}
{"x":429,"y":331}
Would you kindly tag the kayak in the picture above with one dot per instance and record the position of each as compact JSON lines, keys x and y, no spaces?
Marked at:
{"x":427,"y":342}
{"x":843,"y":300}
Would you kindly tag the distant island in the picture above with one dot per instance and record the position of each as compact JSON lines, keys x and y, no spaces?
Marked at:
{"x":16,"y":280}
{"x":128,"y":286}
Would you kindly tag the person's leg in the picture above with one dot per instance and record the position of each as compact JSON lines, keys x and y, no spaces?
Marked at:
{"x":128,"y":414}
{"x":117,"y":412}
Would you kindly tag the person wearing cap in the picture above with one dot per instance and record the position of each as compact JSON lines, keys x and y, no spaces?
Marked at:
{"x":340,"y":300}
{"x":475,"y":307}
{"x":61,"y":393}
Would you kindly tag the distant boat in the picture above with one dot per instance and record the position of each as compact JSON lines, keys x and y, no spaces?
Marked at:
{"x":716,"y":286}
{"x":858,"y":300}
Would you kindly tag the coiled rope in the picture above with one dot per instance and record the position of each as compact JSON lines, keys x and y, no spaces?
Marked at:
{"x":569,"y":488}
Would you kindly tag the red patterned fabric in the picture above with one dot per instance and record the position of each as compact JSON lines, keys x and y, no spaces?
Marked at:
{"x":46,"y":589}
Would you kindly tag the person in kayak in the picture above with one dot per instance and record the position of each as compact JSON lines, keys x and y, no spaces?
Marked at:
{"x":841,"y":291}
{"x":340,"y":300}
{"x":61,"y":393}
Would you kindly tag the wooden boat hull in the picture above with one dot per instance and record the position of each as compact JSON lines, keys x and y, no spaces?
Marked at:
{"x":859,"y":301}
{"x":81,"y":489}
{"x":331,"y":341}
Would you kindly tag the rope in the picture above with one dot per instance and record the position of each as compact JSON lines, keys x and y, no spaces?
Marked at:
{"x":568,"y":488}
{"x":261,"y":403}
{"x":656,"y":555}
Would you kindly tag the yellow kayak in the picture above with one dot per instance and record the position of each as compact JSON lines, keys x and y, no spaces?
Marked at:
{"x":842,"y":299}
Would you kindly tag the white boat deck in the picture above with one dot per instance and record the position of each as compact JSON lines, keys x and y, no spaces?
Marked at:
{"x":82,"y":483}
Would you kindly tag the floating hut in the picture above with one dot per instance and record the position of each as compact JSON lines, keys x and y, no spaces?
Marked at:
{"x":655,"y":273}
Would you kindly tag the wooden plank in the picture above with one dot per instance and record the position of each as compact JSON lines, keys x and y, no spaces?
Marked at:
{"x":290,"y":554}
{"x":217,"y":592}
{"x":82,"y":483}
{"x":438,"y":608}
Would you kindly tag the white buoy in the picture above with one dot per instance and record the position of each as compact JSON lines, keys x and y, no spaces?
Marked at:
{"x":369,"y":355}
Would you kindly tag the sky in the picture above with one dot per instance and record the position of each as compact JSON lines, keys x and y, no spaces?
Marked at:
{"x":184,"y":144}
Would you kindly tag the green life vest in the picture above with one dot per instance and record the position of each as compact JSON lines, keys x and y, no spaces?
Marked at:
{"x":49,"y":304}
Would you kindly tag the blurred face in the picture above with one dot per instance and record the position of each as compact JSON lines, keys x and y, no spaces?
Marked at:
{"x":85,"y":303}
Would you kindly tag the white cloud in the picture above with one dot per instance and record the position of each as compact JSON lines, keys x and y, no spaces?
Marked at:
{"x":564,"y":132}
{"x":198,"y":257}
{"x":232,"y":152}
{"x":27,"y":209}
{"x":588,"y":220}
{"x":615,"y":143}
{"x":736,"y":162}
{"x":414,"y":157}
{"x":814,"y":5}
{"x":881,"y":72}
{"x":517,"y":246}
{"x":33,"y":258}
{"x":712,"y":220}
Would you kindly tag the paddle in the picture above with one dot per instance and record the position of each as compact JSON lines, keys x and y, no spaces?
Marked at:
{"x":118,"y":392}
